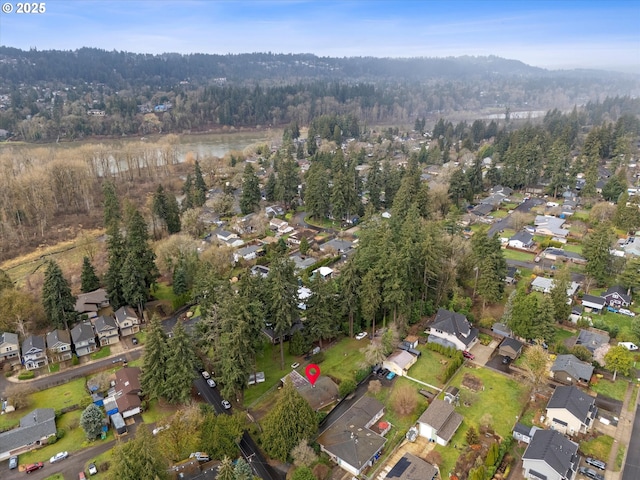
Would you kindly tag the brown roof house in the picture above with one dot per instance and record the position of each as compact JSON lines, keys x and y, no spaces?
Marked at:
{"x":350,"y":441}
{"x":399,"y":362}
{"x":127,"y":321}
{"x":127,"y":391}
{"x":439,"y":422}
{"x":92,"y":302}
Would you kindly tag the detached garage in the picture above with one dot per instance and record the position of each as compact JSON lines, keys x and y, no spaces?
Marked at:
{"x":399,"y":362}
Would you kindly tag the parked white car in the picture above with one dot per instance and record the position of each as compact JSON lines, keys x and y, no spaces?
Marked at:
{"x":58,"y":456}
{"x":629,"y":345}
{"x":626,"y":312}
{"x":361,"y":335}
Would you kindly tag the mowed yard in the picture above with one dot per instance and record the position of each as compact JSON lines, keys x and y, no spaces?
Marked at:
{"x":498,"y":404}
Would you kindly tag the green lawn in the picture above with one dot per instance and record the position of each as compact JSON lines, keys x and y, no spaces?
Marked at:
{"x":498,"y":405}
{"x":560,"y":335}
{"x":625,"y":332}
{"x":429,"y":366}
{"x":517,"y":255}
{"x":500,"y":213}
{"x":575,"y":248}
{"x":104,"y":352}
{"x":164,"y":292}
{"x":619,"y":458}
{"x":56,"y":476}
{"x":599,"y":447}
{"x":616,"y":389}
{"x":156,"y":412}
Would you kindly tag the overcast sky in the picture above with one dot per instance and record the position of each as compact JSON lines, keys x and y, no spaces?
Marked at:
{"x":550,"y":34}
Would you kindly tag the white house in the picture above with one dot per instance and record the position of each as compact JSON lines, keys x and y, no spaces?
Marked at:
{"x":571,"y":411}
{"x":522,"y":240}
{"x":439,"y":422}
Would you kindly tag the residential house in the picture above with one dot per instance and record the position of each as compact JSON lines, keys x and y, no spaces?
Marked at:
{"x":510,"y":347}
{"x":337,"y":245}
{"x":226,"y":236}
{"x":550,"y":226}
{"x":617,"y":297}
{"x":351,"y":441}
{"x":323,"y":272}
{"x":596,"y":304}
{"x":568,"y":369}
{"x":274,"y":210}
{"x":399,"y":362}
{"x":9,"y":348}
{"x":522,"y":240}
{"x":523,"y":433}
{"x":34,"y":352}
{"x":506,"y":191}
{"x":571,"y":411}
{"x":542,"y":284}
{"x":410,"y":467}
{"x":632,"y":247}
{"x":127,"y":391}
{"x":301,"y":262}
{"x":296,"y":237}
{"x":260,"y":270}
{"x":495,"y":199}
{"x":127,"y":321}
{"x":247,"y":253}
{"x":553,"y":254}
{"x":35,"y":429}
{"x":59,"y":345}
{"x":106,"y":329}
{"x":83,"y":338}
{"x":482,"y":210}
{"x":92,"y":302}
{"x":550,"y":456}
{"x":274,"y":338}
{"x":576,"y":313}
{"x":452,"y":329}
{"x":281,"y":227}
{"x":439,"y":422}
{"x":592,"y":339}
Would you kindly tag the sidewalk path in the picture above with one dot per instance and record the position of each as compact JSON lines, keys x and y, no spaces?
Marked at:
{"x":623,"y":432}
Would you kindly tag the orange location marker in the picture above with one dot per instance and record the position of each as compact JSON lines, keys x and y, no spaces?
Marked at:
{"x":312,"y":372}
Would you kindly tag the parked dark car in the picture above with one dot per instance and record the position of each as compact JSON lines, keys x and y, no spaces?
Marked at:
{"x":376,"y":369}
{"x":590,"y":473}
{"x":383,"y":372}
{"x":13,"y":462}
{"x":506,"y":360}
{"x":134,"y":340}
{"x":594,"y":462}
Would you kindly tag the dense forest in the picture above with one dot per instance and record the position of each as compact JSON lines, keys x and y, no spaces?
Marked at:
{"x":66,"y":95}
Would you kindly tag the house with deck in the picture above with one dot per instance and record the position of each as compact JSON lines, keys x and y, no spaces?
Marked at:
{"x":451,"y":329}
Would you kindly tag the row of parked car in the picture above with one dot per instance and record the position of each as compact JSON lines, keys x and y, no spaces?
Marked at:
{"x":378,"y":371}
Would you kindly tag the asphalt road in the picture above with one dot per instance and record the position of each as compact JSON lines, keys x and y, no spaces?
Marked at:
{"x":632,"y":464}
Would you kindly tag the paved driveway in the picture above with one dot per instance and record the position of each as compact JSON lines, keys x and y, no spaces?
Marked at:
{"x":482,"y":353}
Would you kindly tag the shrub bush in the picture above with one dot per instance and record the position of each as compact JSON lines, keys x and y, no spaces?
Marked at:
{"x":26,"y":375}
{"x":346,"y":387}
{"x":362,"y":374}
{"x":318,"y":358}
{"x":75,"y":360}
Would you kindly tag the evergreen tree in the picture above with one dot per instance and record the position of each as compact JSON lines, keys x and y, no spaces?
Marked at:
{"x":458,"y":187}
{"x":154,"y":362}
{"x":88,"y":278}
{"x":349,"y":292}
{"x":374,"y":184}
{"x":59,"y":304}
{"x":304,"y":246}
{"x":180,"y":283}
{"x":523,"y":313}
{"x":287,"y":182}
{"x":138,"y":459}
{"x":558,"y":295}
{"x":199,"y":186}
{"x":180,"y":365}
{"x":283,"y":288}
{"x":291,"y":420}
{"x":270,"y":187}
{"x":321,"y":323}
{"x":113,"y":276}
{"x":316,"y":194}
{"x":250,"y":199}
{"x":226,"y":470}
{"x":630,"y":276}
{"x":188,"y":192}
{"x":490,"y":266}
{"x":92,"y":421}
{"x":173,"y":214}
{"x":595,"y":249}
{"x":220,"y":434}
{"x":159,"y":208}
{"x":303,"y":473}
{"x":242,"y":470}
{"x":112,"y":212}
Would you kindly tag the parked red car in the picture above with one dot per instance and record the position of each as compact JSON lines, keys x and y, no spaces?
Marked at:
{"x":468,"y":355}
{"x":32,"y":467}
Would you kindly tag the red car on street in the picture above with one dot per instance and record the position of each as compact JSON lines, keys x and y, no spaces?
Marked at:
{"x":32,"y":467}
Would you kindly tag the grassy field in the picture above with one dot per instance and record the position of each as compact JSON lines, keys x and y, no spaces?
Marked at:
{"x":616,"y":389}
{"x":429,"y":366}
{"x":625,"y":332}
{"x":157,"y":411}
{"x":570,"y":247}
{"x":497,"y":405}
{"x":517,"y":255}
{"x":164,"y":292}
{"x":104,"y":352}
{"x":599,"y":447}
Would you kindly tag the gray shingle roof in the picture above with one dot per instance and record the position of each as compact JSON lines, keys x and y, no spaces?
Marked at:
{"x":578,"y":403}
{"x":123,"y":313}
{"x":573,"y":366}
{"x":442,"y":417}
{"x":553,"y":448}
{"x":620,"y":291}
{"x":592,"y":340}
{"x":82,"y":332}
{"x":8,"y":337}
{"x":58,"y":337}
{"x":410,"y":467}
{"x":523,"y":236}
{"x":33,"y":342}
{"x":34,"y":426}
{"x":105,"y":323}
